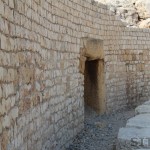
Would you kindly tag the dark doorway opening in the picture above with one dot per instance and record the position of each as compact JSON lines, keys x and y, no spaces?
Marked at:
{"x":94,"y":85}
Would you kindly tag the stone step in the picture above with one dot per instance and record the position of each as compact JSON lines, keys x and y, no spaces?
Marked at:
{"x":132,"y":138}
{"x":137,"y":130}
{"x":143,"y":149}
{"x":147,"y":103}
{"x":139,"y":121}
{"x":143,"y":109}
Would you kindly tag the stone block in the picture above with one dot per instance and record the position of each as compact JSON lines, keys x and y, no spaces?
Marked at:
{"x":139,"y":121}
{"x":1,"y":126}
{"x":82,"y":64}
{"x":24,"y":105}
{"x":1,"y":8}
{"x":26,"y":74}
{"x":3,"y":74}
{"x":130,"y":138}
{"x":6,"y":121}
{"x":11,"y":3}
{"x":14,"y":113}
{"x":147,"y":103}
{"x":4,"y":140}
{"x":142,"y":109}
{"x":93,"y":49}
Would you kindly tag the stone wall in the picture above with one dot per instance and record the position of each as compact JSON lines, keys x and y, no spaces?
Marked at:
{"x":41,"y":88}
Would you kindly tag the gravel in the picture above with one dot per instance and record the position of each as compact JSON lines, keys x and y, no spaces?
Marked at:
{"x":100,"y":131}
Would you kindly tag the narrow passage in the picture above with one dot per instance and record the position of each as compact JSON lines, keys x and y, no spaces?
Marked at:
{"x":100,"y":132}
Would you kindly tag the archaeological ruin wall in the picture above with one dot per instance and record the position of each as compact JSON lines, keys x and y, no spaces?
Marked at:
{"x":41,"y":81}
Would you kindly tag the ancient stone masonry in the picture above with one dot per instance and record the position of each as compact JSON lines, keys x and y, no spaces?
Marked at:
{"x":136,"y":134}
{"x":41,"y":86}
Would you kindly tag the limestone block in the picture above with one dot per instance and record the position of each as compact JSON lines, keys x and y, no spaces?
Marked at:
{"x":130,"y":138}
{"x":4,"y":140}
{"x":147,"y":103}
{"x":93,"y":49}
{"x":3,"y":42}
{"x":142,"y":149}
{"x":6,"y":121}
{"x":14,"y":113}
{"x":1,"y":8}
{"x":24,"y":105}
{"x":142,"y":109}
{"x":2,"y":107}
{"x":139,"y":121}
{"x":11,"y":3}
{"x":8,"y":89}
{"x":21,"y":58}
{"x":1,"y":127}
{"x":82,"y":64}
{"x":11,"y":75}
{"x":1,"y":92}
{"x":37,"y":86}
{"x":36,"y":99}
{"x":27,"y":74}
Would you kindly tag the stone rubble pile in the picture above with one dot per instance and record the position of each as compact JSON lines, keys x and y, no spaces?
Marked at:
{"x":136,"y":134}
{"x":135,"y":13}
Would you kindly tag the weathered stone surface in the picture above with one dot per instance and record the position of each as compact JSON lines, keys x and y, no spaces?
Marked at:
{"x":143,"y":8}
{"x":129,"y":133}
{"x":142,"y":109}
{"x":14,"y":113}
{"x":41,"y":86}
{"x":1,"y":126}
{"x":136,"y":134}
{"x":82,"y":64}
{"x":92,"y":49}
{"x":126,"y":137}
{"x":6,"y":122}
{"x":145,"y":23}
{"x":146,"y":103}
{"x":139,"y":121}
{"x":4,"y":140}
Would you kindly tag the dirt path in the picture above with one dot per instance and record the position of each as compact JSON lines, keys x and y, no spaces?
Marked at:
{"x":100,"y":132}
